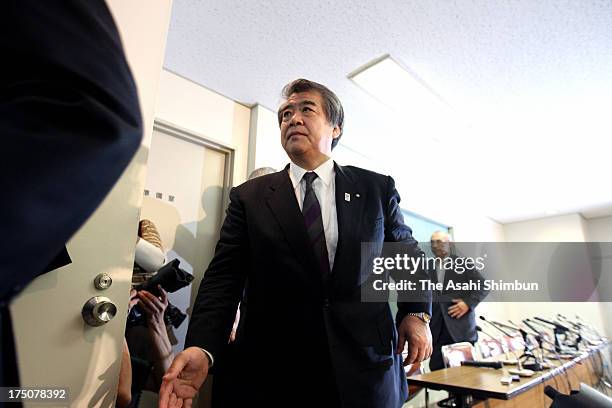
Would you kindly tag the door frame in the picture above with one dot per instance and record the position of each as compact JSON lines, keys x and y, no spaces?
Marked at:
{"x":173,"y":130}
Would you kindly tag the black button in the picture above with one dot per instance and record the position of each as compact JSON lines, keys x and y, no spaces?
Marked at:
{"x":326,"y":303}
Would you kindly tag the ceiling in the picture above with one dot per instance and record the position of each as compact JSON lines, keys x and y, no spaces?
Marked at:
{"x":529,"y":82}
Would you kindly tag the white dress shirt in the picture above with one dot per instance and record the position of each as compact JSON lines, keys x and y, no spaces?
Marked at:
{"x":324,"y":187}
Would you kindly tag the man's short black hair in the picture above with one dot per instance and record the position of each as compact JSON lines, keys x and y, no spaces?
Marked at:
{"x":331,"y":104}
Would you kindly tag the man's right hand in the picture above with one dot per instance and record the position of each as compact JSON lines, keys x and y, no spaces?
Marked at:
{"x":184,"y":378}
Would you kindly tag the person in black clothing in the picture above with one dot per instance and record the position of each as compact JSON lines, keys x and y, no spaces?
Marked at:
{"x":70,"y":123}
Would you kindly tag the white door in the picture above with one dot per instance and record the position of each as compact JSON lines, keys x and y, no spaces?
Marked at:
{"x":55,"y":347}
{"x":184,"y":196}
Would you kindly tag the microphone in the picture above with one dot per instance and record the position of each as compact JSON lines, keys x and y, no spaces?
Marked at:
{"x":479,"y":329}
{"x":537,"y":365}
{"x":502,"y":343}
{"x":556,"y":325}
{"x":495,"y":340}
{"x":539,"y":337}
{"x":525,"y":333}
{"x":575,"y":325}
{"x":494,"y":325}
{"x":557,"y":331}
{"x":514,"y":326}
{"x":533,"y":329}
{"x":520,"y":329}
{"x":487,"y":364}
{"x":505,"y":326}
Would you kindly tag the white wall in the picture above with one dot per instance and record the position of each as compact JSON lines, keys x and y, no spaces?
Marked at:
{"x":265,"y":147}
{"x":190,"y":106}
{"x":564,"y":228}
{"x":599,"y":229}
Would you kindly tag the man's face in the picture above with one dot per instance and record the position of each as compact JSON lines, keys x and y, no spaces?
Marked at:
{"x":304,"y":127}
{"x":440,"y":245}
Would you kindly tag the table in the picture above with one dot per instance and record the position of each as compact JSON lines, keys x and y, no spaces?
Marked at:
{"x":484,"y":383}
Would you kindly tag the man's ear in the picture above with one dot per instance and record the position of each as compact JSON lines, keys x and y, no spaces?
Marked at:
{"x":336,"y":132}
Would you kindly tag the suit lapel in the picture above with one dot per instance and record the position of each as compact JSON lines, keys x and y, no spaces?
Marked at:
{"x":281,"y":200}
{"x":350,"y":199}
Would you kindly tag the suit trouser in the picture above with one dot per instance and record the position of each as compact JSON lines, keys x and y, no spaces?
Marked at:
{"x":9,"y":376}
{"x":302,"y":382}
{"x":441,"y":338}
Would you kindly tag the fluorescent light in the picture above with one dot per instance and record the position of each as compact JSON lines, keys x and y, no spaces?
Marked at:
{"x":398,"y":89}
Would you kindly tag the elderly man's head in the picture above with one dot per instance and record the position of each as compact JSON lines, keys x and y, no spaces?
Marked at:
{"x":440,"y":244}
{"x":262,"y":171}
{"x":310,"y":119}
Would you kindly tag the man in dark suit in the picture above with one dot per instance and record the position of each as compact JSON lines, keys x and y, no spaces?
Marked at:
{"x":293,"y":240}
{"x":453,"y":319}
{"x":70,"y":124}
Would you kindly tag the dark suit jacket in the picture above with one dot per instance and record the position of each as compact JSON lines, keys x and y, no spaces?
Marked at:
{"x":70,"y":123}
{"x":298,"y":326}
{"x":464,"y":328}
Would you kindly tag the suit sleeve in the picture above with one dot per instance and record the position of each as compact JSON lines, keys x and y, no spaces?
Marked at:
{"x":397,"y":231}
{"x":70,"y":124}
{"x":221,"y":289}
{"x":476,"y":296}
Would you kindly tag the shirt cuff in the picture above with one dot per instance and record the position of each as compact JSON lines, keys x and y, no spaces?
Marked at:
{"x":210,"y":357}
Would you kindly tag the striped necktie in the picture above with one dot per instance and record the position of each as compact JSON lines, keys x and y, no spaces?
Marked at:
{"x":311,"y":209}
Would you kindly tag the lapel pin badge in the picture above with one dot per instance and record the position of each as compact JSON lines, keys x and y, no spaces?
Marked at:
{"x":347,"y":197}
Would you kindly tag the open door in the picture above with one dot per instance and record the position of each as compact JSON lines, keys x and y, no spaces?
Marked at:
{"x":186,"y":193}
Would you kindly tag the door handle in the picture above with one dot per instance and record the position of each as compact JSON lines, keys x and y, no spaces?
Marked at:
{"x":98,"y":311}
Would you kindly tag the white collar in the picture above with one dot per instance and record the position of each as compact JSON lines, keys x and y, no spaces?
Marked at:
{"x":325,"y":172}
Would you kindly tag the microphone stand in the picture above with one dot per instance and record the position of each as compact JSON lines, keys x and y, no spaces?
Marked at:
{"x":561,"y":362}
{"x":558,"y":345}
{"x":497,"y":341}
{"x":520,"y":371}
{"x":536,"y":365}
{"x":560,"y":334}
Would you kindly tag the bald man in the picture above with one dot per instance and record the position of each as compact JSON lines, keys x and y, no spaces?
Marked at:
{"x":452,"y":315}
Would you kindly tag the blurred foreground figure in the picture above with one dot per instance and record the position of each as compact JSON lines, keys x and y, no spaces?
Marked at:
{"x":70,"y":124}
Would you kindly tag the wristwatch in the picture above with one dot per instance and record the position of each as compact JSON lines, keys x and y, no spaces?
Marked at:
{"x":422,"y":315}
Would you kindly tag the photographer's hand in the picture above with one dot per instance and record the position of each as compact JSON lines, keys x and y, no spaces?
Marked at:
{"x":154,"y":309}
{"x":133,"y":299}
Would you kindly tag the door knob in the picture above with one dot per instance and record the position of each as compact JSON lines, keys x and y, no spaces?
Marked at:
{"x":98,"y":310}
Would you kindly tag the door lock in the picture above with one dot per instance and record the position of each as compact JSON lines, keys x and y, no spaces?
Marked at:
{"x":103,"y":281}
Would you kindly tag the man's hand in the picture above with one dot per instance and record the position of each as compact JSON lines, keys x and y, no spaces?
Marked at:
{"x":458,"y":309}
{"x":418,"y":335}
{"x":184,"y":378}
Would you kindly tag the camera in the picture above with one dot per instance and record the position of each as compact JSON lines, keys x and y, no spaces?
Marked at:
{"x":170,"y":277}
